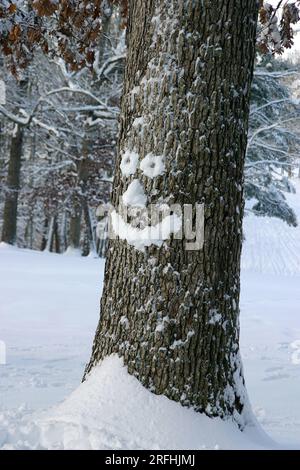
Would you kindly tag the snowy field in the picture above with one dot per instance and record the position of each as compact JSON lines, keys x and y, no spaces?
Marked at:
{"x":48,"y":313}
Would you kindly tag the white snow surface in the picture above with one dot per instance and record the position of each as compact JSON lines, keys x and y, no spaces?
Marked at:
{"x":48,"y":315}
{"x":271,"y":245}
{"x":112,"y":410}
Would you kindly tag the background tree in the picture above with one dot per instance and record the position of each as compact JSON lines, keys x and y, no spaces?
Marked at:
{"x":70,"y":123}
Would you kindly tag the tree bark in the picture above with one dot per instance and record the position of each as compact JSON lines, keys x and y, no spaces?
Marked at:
{"x":172,"y":314}
{"x":75,"y":229}
{"x":49,"y":242}
{"x":56,"y":245}
{"x":9,"y":228}
{"x":91,"y":246}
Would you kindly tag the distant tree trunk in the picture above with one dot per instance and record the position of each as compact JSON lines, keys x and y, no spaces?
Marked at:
{"x":44,"y":232}
{"x":79,"y":207}
{"x":102,"y":240}
{"x":104,"y":40}
{"x":173,"y":314}
{"x":9,"y":228}
{"x":75,"y":229}
{"x":88,"y":227}
{"x":56,"y":239}
{"x":49,"y":242}
{"x":29,"y":230}
{"x":64,"y":237}
{"x":28,"y":235}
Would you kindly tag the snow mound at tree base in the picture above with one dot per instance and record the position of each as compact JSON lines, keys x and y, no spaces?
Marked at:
{"x":112,"y":410}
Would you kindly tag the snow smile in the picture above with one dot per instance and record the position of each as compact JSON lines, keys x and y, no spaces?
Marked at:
{"x":143,"y":226}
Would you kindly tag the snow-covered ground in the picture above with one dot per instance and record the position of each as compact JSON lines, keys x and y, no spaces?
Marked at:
{"x":48,"y":314}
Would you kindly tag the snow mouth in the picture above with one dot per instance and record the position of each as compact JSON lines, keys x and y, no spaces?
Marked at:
{"x":143,"y":225}
{"x":149,"y":235}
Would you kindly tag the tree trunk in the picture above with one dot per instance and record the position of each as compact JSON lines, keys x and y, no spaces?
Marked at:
{"x":79,"y":210}
{"x":49,"y":242}
{"x":106,"y":23}
{"x":56,"y":238}
{"x":88,"y":227}
{"x":75,"y":229}
{"x":64,"y":237}
{"x":28,"y":235}
{"x":45,"y":233}
{"x":9,"y":228}
{"x":172,"y":314}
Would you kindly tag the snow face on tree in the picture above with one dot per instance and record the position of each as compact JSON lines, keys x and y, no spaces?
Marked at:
{"x":147,"y":164}
{"x":135,"y":197}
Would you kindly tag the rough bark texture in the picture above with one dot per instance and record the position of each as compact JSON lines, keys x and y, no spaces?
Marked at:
{"x":173,"y":314}
{"x":9,"y":228}
{"x":75,"y":229}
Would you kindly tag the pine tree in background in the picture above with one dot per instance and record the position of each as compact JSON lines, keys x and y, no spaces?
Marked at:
{"x":274,"y":141}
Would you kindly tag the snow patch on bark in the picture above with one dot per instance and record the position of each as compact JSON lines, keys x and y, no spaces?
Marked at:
{"x":129,"y":163}
{"x":150,"y":235}
{"x":135,"y":195}
{"x":139,"y":121}
{"x":152,"y":165}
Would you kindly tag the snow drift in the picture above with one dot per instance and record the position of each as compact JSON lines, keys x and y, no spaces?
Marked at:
{"x":112,"y":410}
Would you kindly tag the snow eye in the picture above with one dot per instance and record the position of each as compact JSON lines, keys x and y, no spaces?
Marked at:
{"x":129,"y":163}
{"x":152,"y":165}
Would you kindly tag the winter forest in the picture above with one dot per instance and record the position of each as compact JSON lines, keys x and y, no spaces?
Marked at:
{"x":149,"y":225}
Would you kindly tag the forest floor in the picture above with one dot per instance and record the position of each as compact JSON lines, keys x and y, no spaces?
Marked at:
{"x":48,"y":314}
